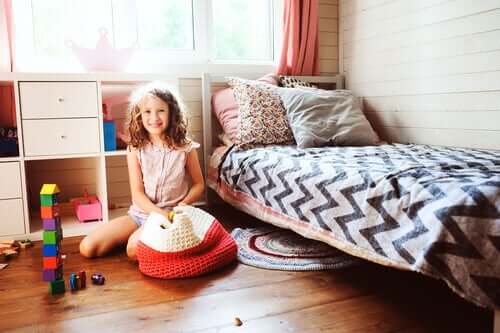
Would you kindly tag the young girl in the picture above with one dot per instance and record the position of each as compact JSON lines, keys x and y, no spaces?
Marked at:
{"x":160,"y":158}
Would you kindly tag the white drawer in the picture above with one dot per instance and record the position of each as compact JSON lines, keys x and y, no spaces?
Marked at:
{"x":10,"y":180}
{"x":58,"y":99}
{"x":11,"y":217}
{"x":61,"y":136}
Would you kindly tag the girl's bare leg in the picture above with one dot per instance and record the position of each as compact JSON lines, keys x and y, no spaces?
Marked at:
{"x":107,"y":236}
{"x":132,"y":243}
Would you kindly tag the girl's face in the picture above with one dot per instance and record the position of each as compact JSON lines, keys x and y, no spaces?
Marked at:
{"x":154,"y":114}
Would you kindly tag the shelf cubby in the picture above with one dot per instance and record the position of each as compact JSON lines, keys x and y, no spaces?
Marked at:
{"x":9,"y":144}
{"x":73,"y":176}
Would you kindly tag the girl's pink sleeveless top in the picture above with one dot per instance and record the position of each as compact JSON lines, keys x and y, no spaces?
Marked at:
{"x":164,"y":175}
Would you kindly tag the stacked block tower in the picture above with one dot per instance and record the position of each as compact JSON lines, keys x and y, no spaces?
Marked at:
{"x":52,"y":236}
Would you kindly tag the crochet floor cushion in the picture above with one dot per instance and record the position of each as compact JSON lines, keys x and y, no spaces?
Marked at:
{"x":194,"y":243}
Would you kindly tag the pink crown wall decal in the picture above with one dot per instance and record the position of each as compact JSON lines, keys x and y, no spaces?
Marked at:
{"x":104,"y":57}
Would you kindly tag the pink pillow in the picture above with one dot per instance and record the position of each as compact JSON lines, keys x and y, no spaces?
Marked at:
{"x":226,"y":109}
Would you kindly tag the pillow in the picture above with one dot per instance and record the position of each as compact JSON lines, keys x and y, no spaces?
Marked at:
{"x":225,"y":107}
{"x":263,"y":119}
{"x":225,"y":139}
{"x":292,"y":82}
{"x":326,"y":117}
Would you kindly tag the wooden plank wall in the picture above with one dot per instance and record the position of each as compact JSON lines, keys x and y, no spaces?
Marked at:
{"x":72,"y":175}
{"x":428,"y":70}
{"x":328,"y":27}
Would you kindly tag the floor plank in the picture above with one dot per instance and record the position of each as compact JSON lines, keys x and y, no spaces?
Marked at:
{"x":366,"y":298}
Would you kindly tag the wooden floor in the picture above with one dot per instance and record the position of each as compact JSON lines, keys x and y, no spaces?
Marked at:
{"x":367,"y":298}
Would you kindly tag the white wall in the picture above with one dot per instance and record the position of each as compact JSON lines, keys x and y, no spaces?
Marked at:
{"x":428,"y":70}
{"x":328,"y":37}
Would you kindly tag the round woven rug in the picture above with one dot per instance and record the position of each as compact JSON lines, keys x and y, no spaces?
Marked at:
{"x":274,"y":248}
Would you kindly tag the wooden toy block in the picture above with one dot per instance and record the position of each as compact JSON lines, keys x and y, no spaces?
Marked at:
{"x":26,"y":243}
{"x":53,"y":274}
{"x":83,"y":279}
{"x":170,"y":216}
{"x":73,"y":284}
{"x":52,"y":224}
{"x":52,"y":237}
{"x":49,"y":212}
{"x":51,"y":262}
{"x":50,"y":250}
{"x":48,"y":199}
{"x":78,"y":282}
{"x":49,"y":189}
{"x":57,"y":287}
{"x":9,"y":253}
{"x":9,"y":242}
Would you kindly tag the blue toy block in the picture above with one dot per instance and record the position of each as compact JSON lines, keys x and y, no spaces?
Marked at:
{"x":50,"y":250}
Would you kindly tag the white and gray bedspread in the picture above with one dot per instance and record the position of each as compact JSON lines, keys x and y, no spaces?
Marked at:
{"x":433,"y":210}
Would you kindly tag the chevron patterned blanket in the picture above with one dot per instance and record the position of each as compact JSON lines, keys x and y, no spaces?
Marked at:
{"x":432,"y":210}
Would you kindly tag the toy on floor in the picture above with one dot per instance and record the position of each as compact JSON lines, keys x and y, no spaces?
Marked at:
{"x":52,"y":236}
{"x":8,"y":249}
{"x":194,"y":243}
{"x":26,"y":243}
{"x":98,"y":278}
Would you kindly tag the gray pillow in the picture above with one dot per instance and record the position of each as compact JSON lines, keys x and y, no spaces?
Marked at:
{"x":326,"y":118}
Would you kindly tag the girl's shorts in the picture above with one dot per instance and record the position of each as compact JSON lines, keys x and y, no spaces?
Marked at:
{"x":137,"y":220}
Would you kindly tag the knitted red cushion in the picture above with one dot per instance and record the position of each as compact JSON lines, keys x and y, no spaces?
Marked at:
{"x":194,"y":244}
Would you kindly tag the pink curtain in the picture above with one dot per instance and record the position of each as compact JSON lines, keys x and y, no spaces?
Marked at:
{"x":299,"y":54}
{"x":6,"y":34}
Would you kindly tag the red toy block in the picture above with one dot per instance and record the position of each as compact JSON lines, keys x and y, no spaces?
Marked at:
{"x":51,"y":262}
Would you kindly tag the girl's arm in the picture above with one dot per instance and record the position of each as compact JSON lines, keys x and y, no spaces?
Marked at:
{"x":198,"y":184}
{"x":139,"y":197}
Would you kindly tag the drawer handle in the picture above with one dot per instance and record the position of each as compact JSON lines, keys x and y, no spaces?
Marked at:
{"x":63,"y":136}
{"x":60,"y":99}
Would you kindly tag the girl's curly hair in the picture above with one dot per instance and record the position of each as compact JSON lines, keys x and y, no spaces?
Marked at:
{"x":176,"y":132}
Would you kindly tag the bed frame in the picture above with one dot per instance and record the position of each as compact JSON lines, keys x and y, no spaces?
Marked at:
{"x":211,"y":128}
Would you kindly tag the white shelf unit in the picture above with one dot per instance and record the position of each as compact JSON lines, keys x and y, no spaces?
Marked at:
{"x":60,"y":128}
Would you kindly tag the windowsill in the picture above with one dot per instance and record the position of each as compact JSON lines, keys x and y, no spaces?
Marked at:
{"x":172,"y":70}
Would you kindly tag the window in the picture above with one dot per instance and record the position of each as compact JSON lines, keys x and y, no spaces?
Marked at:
{"x":242,"y":29}
{"x":162,"y":32}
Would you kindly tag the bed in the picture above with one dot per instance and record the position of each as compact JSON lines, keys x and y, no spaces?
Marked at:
{"x":428,"y":209}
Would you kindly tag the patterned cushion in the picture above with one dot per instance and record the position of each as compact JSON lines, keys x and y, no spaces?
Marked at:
{"x":291,"y":82}
{"x":262,"y":116}
{"x":226,"y":108}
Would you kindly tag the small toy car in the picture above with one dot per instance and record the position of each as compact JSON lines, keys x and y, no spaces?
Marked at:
{"x":98,"y":278}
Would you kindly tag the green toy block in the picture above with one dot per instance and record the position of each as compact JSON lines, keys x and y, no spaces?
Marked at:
{"x":52,"y":237}
{"x":48,"y":199}
{"x":57,"y":287}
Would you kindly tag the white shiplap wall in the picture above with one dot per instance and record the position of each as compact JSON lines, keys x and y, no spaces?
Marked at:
{"x":328,"y":37}
{"x":428,"y":70}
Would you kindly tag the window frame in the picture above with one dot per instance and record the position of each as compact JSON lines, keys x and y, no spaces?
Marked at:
{"x":159,"y":60}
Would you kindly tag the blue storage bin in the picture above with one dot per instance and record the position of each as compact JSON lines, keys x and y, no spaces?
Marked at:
{"x":109,"y":135}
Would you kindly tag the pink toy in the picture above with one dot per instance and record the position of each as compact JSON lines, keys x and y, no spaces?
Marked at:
{"x":87,"y":208}
{"x":104,"y":57}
